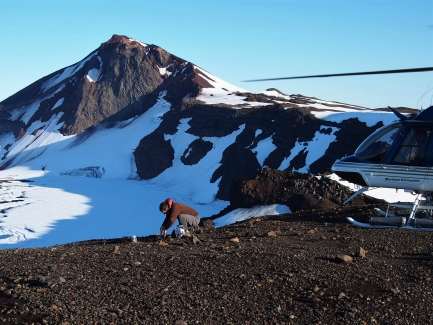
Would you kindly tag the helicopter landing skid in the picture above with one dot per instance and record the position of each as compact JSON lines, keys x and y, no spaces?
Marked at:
{"x":391,"y":220}
{"x":382,"y":223}
{"x":367,"y":225}
{"x":384,"y":213}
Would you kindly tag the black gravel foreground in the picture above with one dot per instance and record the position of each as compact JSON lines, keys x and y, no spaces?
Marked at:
{"x":303,"y":268}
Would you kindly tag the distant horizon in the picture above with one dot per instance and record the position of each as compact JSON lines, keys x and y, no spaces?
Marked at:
{"x":239,"y":40}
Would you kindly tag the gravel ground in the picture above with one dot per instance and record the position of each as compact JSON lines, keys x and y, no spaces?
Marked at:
{"x":309,"y":267}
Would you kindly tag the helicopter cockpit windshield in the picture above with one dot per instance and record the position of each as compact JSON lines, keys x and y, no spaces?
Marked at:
{"x":376,"y":146}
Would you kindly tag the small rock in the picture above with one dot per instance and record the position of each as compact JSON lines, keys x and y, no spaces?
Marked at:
{"x":395,"y":290}
{"x":344,"y":258}
{"x":53,"y":279}
{"x":162,"y":243}
{"x":235,"y":240}
{"x":208,"y":224}
{"x":195,"y":240}
{"x":180,"y":322}
{"x":116,"y":250}
{"x":361,"y":252}
{"x":272,"y":234}
{"x":198,"y":230}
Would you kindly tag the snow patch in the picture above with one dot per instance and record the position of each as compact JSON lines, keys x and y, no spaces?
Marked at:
{"x":314,"y":149}
{"x":263,"y":149}
{"x":58,"y":103}
{"x":141,"y":43}
{"x":370,"y":118}
{"x":66,"y":73}
{"x":256,"y":211}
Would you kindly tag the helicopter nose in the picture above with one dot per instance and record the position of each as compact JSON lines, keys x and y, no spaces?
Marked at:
{"x":347,"y":169}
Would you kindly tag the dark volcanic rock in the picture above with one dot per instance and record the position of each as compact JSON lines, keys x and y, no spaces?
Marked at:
{"x":150,"y":147}
{"x":237,"y":162}
{"x":16,"y":127}
{"x":196,"y":151}
{"x":268,"y":270}
{"x":296,"y":190}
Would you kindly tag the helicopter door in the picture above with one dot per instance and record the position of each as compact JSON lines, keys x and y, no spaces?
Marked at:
{"x":410,"y":164}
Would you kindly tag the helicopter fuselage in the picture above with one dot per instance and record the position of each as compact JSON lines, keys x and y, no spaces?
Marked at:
{"x":398,"y":155}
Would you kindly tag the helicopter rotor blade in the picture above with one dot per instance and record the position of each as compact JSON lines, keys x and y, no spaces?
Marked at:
{"x":349,"y":74}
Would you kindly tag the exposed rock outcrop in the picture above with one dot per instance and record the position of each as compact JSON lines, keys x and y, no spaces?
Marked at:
{"x":299,"y":191}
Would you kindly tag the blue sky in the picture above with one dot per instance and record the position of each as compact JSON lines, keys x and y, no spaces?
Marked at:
{"x":238,"y":40}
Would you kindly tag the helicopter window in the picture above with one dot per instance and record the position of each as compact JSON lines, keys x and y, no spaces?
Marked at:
{"x":375,"y":147}
{"x":413,"y":148}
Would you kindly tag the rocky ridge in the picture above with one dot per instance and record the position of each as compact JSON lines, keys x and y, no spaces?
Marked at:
{"x":298,"y":191}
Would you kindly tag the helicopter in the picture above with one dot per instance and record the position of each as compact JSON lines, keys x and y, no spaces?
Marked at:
{"x":398,"y":155}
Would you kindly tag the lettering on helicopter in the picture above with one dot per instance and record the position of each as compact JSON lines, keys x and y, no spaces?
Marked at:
{"x":395,"y":179}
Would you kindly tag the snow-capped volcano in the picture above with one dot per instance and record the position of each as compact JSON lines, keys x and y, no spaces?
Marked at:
{"x":132,"y":111}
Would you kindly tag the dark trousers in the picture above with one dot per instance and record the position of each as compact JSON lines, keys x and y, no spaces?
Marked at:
{"x":187,"y":220}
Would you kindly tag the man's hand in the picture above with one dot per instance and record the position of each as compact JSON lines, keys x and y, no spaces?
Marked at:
{"x":163,"y":231}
